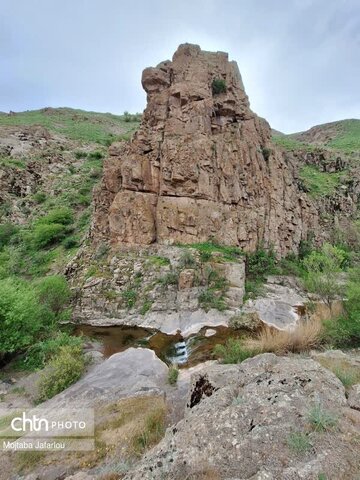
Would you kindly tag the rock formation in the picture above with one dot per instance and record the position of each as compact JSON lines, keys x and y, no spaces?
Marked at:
{"x":201,"y":166}
{"x":242,"y":422}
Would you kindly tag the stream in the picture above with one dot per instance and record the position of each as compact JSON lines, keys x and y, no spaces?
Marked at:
{"x":169,"y":348}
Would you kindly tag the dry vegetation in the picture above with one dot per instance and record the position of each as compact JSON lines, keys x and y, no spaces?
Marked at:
{"x":303,"y":337}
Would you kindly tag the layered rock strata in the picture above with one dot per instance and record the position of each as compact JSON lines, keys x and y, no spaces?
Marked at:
{"x":201,"y":166}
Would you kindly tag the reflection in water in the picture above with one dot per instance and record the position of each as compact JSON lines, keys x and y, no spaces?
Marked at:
{"x":170,"y":348}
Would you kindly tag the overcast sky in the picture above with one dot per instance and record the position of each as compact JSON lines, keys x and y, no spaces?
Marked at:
{"x":299,"y":59}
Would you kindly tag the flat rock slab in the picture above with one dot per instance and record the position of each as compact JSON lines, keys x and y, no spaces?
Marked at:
{"x":278,"y":307}
{"x":135,"y":371}
{"x":185,"y":322}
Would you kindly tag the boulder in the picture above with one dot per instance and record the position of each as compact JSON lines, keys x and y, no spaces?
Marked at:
{"x":136,"y":371}
{"x":240,"y":420}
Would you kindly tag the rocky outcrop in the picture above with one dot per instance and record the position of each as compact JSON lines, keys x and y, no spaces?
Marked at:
{"x":201,"y":166}
{"x":242,"y":422}
{"x":133,"y":372}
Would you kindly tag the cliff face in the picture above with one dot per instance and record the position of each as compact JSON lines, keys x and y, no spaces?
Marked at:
{"x":201,"y":166}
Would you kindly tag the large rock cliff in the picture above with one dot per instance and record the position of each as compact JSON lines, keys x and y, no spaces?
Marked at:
{"x":201,"y":166}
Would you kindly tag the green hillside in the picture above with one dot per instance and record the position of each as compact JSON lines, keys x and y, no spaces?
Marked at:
{"x":342,"y":136}
{"x":80,"y":125}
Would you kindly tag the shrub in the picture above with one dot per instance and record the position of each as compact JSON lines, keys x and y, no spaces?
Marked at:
{"x":170,"y":278}
{"x":129,"y":296}
{"x":54,"y":293}
{"x":62,"y":371}
{"x":38,"y":355}
{"x":233,"y":351}
{"x":218,"y":86}
{"x":260,"y":263}
{"x":62,"y":216}
{"x":322,"y":267}
{"x":345,"y":330}
{"x":22,"y":318}
{"x":266,"y":152}
{"x":145,"y":307}
{"x":70,"y":242}
{"x":299,"y":442}
{"x":209,"y":298}
{"x":187,"y":260}
{"x":95,"y":155}
{"x":159,"y":261}
{"x":7,"y":231}
{"x":80,"y":154}
{"x":306,"y":335}
{"x":39,"y":197}
{"x":173,"y":374}
{"x":321,"y":419}
{"x":44,"y":235}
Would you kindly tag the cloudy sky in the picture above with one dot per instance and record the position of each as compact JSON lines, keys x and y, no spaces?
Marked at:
{"x":300,"y":59}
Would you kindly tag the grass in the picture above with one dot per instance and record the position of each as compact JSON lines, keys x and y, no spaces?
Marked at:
{"x":102,"y":128}
{"x":319,"y":184}
{"x":234,"y":351}
{"x":158,"y":261}
{"x":173,"y":374}
{"x":320,"y":419}
{"x":206,"y":250}
{"x":299,"y":443}
{"x":291,"y":144}
{"x":305,"y":336}
{"x":348,"y":374}
{"x":152,"y":432}
{"x":348,"y":138}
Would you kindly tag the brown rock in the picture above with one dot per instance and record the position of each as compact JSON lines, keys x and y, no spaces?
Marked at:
{"x":202,"y":166}
{"x":186,"y":278}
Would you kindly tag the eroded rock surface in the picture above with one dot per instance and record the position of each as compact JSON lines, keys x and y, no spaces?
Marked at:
{"x":133,"y":372}
{"x":201,"y":165}
{"x":240,"y":419}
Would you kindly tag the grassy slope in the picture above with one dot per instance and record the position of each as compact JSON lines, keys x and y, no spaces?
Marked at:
{"x":79,"y":125}
{"x":78,"y":168}
{"x":343,"y":136}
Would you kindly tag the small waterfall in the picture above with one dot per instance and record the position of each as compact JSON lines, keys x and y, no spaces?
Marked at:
{"x":181,"y":353}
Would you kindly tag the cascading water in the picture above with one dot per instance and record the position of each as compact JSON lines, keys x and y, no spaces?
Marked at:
{"x":181,"y":353}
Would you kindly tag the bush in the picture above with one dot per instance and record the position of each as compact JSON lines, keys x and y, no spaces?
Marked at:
{"x":260,"y":263}
{"x":39,"y":354}
{"x":62,"y":371}
{"x":233,"y":351}
{"x":70,"y":242}
{"x":170,"y":278}
{"x":39,"y":197}
{"x":187,"y":260}
{"x":218,"y":86}
{"x":173,"y":374}
{"x":62,"y":216}
{"x":54,"y":293}
{"x":129,"y":296}
{"x":80,"y":154}
{"x":210,"y":298}
{"x":266,"y":152}
{"x":7,"y":231}
{"x":95,"y":155}
{"x":322,"y":268}
{"x":345,"y":331}
{"x":44,"y":235}
{"x":22,"y":317}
